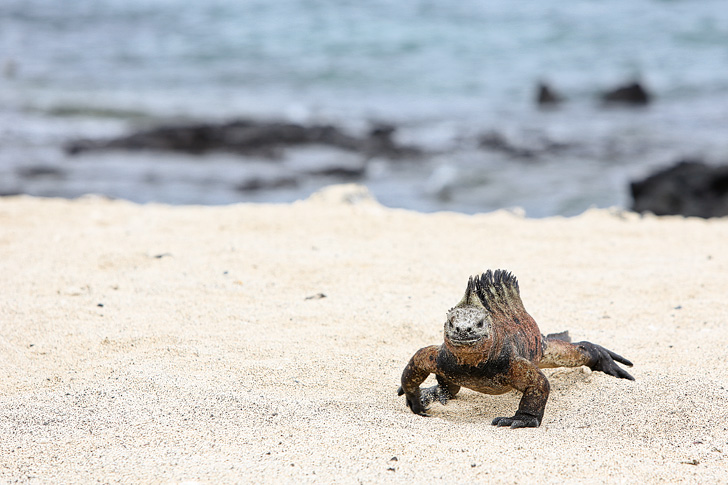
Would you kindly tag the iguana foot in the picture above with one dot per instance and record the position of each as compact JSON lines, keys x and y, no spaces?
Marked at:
{"x":435,"y":393}
{"x":603,"y":360}
{"x":428,"y":395}
{"x":518,"y":421}
{"x":414,"y":402}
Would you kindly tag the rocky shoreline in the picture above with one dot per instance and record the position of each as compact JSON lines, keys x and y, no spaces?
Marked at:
{"x":690,"y":188}
{"x":250,"y":137}
{"x":426,"y":165}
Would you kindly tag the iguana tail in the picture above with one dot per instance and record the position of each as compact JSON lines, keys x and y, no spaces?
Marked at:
{"x":558,"y":351}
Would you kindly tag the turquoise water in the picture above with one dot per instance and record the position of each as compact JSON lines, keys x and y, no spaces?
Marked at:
{"x":444,"y":71}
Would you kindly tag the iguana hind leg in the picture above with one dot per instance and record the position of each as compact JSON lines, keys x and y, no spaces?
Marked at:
{"x":560,"y":352}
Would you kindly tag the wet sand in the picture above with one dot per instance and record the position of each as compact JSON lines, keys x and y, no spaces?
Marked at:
{"x":264,"y":343}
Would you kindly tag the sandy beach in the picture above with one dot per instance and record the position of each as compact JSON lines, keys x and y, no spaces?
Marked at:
{"x":264,"y":343}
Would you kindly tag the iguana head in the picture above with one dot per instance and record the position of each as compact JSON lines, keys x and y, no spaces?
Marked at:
{"x":468,"y":323}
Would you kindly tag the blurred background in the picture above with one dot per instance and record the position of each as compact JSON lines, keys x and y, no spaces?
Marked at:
{"x":432,"y":105}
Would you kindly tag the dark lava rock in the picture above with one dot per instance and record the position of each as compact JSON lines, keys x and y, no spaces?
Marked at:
{"x":527,"y":149}
{"x":257,"y":184}
{"x":249,"y":137}
{"x":633,"y":93}
{"x":690,"y":188}
{"x":497,"y":142}
{"x":41,"y":171}
{"x":546,"y":96}
{"x":340,"y":172}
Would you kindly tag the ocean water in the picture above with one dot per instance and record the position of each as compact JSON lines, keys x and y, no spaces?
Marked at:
{"x":445,"y":73}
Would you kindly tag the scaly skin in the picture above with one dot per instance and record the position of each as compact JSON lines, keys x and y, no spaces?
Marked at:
{"x":492,"y":345}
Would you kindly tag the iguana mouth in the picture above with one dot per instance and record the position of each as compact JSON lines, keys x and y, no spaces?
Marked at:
{"x":464,"y":341}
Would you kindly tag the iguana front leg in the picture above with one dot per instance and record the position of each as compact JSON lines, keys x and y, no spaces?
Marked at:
{"x":421,"y":365}
{"x":527,"y":378}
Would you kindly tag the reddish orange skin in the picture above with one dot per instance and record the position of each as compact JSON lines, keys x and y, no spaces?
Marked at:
{"x":508,"y":356}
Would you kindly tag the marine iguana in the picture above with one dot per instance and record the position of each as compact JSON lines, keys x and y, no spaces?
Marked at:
{"x":492,"y":345}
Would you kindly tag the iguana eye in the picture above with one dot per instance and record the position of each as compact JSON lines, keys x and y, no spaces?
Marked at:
{"x":480,"y":324}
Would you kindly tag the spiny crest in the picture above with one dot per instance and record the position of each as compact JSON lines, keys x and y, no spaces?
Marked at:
{"x":498,"y":291}
{"x":497,"y":279}
{"x":471,"y":296}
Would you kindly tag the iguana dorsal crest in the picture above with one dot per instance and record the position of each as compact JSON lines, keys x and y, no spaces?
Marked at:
{"x":498,"y":291}
{"x":471,"y":297}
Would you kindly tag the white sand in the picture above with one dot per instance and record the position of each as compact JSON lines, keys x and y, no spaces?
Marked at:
{"x":207,"y":362}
